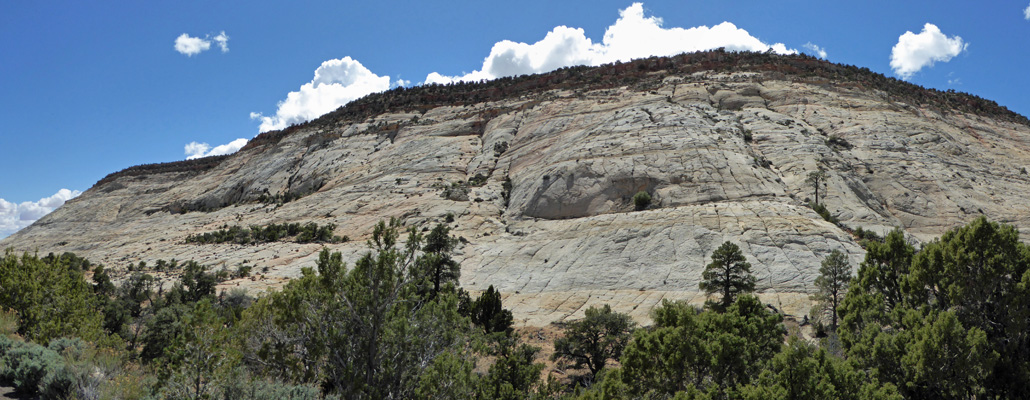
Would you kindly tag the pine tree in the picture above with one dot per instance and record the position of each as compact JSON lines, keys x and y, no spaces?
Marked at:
{"x":437,"y":264}
{"x":816,"y":179}
{"x":729,"y":274}
{"x":487,"y":312}
{"x":834,"y":276}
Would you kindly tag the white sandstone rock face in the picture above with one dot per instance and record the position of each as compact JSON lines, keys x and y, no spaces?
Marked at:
{"x":724,"y":159}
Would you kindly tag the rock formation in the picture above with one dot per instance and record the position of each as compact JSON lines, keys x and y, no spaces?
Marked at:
{"x":540,"y":181}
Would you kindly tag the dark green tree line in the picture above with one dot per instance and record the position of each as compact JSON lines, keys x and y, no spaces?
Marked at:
{"x":51,"y":297}
{"x":948,"y":321}
{"x":367,"y":332}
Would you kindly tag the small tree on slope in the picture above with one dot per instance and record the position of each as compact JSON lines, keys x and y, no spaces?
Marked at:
{"x":834,"y":276}
{"x":729,"y":274}
{"x":590,"y":342}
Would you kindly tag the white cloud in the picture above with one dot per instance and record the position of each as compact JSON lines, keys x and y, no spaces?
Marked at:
{"x":190,"y":46}
{"x":223,"y":41}
{"x":632,"y":36}
{"x":436,"y":77}
{"x":913,"y":52}
{"x":14,"y":217}
{"x":198,"y":150}
{"x":194,"y":149}
{"x":1026,"y":13}
{"x":815,"y":49}
{"x":336,"y":83}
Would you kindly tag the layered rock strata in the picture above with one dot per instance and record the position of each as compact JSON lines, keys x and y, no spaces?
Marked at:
{"x":540,"y":189}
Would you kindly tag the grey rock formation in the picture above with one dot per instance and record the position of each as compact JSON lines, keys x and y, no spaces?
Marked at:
{"x":724,"y":156}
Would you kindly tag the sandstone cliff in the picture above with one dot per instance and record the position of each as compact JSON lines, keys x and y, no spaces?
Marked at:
{"x":723,"y":152}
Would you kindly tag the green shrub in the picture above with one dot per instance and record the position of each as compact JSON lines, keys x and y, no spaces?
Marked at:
{"x":72,"y":348}
{"x":231,"y":304}
{"x":488,"y":312}
{"x":6,"y":344}
{"x":243,"y":271}
{"x":457,"y":191}
{"x":641,"y":200}
{"x":60,"y":382}
{"x":307,"y":233}
{"x":74,"y":376}
{"x":25,"y":365}
{"x":506,"y":190}
{"x":312,"y":232}
{"x":51,"y":296}
{"x":500,"y":148}
{"x":478,"y":180}
{"x":823,"y":212}
{"x":868,"y":235}
{"x":865,"y":237}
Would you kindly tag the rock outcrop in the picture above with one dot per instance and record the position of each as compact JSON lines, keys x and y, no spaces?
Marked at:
{"x":540,"y":187}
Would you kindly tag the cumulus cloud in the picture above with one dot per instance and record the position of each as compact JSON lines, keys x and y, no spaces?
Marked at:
{"x":915,"y":51}
{"x":198,"y":150}
{"x":816,"y":50}
{"x":632,"y":36}
{"x":14,"y":217}
{"x":194,"y":149}
{"x":336,"y":83}
{"x":190,"y":46}
{"x":1026,"y":13}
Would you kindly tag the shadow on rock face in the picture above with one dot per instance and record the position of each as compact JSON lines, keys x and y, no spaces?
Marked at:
{"x":582,"y":192}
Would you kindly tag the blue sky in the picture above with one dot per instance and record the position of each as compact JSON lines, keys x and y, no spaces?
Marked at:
{"x":89,"y":88}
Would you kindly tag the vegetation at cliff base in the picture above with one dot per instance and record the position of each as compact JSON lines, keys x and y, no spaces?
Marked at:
{"x":947,"y":321}
{"x":594,"y":340}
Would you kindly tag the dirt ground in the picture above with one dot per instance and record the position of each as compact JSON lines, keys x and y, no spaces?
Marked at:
{"x":7,"y":393}
{"x":543,"y":337}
